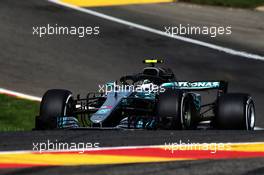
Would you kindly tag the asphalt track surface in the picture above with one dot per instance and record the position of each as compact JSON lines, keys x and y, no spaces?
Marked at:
{"x":23,"y":141}
{"x":32,"y":65}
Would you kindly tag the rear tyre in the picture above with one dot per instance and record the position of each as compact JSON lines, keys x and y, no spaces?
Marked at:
{"x":235,"y":111}
{"x":55,"y":103}
{"x":189,"y":114}
{"x":169,"y":109}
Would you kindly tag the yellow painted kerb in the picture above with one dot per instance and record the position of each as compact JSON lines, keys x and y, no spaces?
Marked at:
{"x":98,"y":3}
{"x":78,"y":159}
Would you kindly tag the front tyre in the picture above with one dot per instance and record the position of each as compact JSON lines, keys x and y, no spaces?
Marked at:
{"x":169,"y":109}
{"x":235,"y":111}
{"x":55,"y":103}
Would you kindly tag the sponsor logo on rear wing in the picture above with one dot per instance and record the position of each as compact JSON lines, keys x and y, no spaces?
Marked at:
{"x":198,"y":85}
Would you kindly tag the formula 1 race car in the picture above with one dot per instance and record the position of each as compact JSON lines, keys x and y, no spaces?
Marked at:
{"x":151,"y":99}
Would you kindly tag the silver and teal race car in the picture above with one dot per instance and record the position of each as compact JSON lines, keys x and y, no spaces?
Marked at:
{"x":151,"y":99}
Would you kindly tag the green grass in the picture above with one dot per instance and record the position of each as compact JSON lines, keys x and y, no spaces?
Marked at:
{"x":229,"y":3}
{"x":17,"y":114}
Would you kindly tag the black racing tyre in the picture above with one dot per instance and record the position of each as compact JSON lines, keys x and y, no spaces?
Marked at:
{"x":169,"y":109}
{"x":235,"y":111}
{"x":189,"y":113}
{"x":55,"y":103}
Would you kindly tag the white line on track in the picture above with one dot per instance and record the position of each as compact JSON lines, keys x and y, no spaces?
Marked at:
{"x":258,"y":128}
{"x":162,"y":33}
{"x":19,"y":95}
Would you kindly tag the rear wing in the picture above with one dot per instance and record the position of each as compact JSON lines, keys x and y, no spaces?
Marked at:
{"x":198,"y":85}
